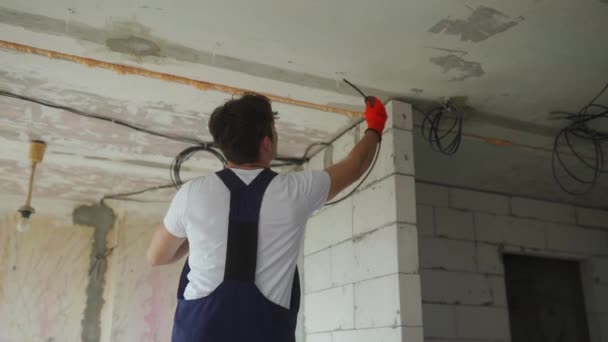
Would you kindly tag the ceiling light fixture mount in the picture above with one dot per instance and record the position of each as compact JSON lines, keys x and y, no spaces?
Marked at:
{"x":37,"y":149}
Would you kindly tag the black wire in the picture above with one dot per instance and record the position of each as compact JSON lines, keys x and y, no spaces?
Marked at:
{"x":354,"y":87}
{"x":126,"y":194}
{"x":199,"y":145}
{"x":103,"y":118}
{"x":445,"y":141}
{"x":579,"y":128}
{"x":185,"y":155}
{"x":371,"y":168}
{"x":599,"y":94}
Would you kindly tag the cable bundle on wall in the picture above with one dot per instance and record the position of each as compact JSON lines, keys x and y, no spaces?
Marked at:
{"x":442,"y":128}
{"x":185,"y":155}
{"x":578,"y":149}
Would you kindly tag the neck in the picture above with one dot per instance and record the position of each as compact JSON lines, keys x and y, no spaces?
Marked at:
{"x":248,"y":166}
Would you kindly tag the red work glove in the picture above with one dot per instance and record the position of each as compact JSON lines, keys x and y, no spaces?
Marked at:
{"x":375,"y":114}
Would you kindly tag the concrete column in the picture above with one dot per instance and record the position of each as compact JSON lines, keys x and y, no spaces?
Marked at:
{"x":361,"y":280}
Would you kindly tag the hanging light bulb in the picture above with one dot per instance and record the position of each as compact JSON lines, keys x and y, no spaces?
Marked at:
{"x":37,"y":149}
{"x":24,"y":224}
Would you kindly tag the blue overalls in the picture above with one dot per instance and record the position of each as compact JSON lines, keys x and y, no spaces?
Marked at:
{"x":236,"y":311}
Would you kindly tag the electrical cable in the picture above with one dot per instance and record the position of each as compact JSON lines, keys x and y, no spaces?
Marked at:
{"x":121,"y":196}
{"x":199,"y":145}
{"x":579,"y":130}
{"x":445,"y":141}
{"x":185,"y":155}
{"x":103,"y":118}
{"x":362,"y":180}
{"x":371,"y":167}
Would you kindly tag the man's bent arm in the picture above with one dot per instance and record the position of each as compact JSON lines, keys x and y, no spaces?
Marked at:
{"x":346,"y":172}
{"x":166,"y":248}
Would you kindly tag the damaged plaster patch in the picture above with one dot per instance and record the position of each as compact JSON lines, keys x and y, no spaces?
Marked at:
{"x":456,"y":65}
{"x":483,"y":23}
{"x":134,"y":46}
{"x":101,"y":218}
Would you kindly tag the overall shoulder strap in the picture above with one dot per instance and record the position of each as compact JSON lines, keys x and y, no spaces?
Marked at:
{"x":243,"y":223}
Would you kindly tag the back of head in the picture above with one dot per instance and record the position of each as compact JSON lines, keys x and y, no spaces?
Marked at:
{"x":239,"y":125}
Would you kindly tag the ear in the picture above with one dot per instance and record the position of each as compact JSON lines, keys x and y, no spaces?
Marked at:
{"x":266,"y":143}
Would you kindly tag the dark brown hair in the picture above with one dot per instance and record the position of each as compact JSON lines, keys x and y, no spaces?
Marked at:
{"x":239,"y":125}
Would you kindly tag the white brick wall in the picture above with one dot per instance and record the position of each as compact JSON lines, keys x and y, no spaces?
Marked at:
{"x":447,"y":254}
{"x":343,"y":268}
{"x":407,"y":239}
{"x":463,"y":235}
{"x":510,"y":230}
{"x":361,"y":256}
{"x":425,"y":220}
{"x":396,"y":155}
{"x":439,"y":320}
{"x":592,"y":217}
{"x":478,"y":201}
{"x":410,"y":299}
{"x":455,"y":288}
{"x":366,"y":335}
{"x":399,"y":115}
{"x":375,"y":207}
{"x":553,"y":212}
{"x":489,"y":259}
{"x":482,"y":322}
{"x":320,"y":337}
{"x":376,"y":253}
{"x":330,"y":226}
{"x":574,"y":239}
{"x":377,"y":302}
{"x":499,"y":291}
{"x":434,"y":195}
{"x":321,"y":277}
{"x":452,"y":223}
{"x":330,"y":310}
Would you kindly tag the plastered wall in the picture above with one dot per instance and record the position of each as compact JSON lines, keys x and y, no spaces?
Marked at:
{"x":54,"y":288}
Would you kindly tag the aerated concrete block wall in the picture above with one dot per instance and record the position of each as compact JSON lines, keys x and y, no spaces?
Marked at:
{"x":361,"y":280}
{"x":462,"y":236}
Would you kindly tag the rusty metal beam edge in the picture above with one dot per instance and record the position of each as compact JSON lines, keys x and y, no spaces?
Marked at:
{"x":201,"y":85}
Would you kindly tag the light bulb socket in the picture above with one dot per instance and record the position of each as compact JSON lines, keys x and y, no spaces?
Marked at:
{"x":26,"y":211}
{"x":37,"y":149}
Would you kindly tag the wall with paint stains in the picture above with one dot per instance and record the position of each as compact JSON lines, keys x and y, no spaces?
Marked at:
{"x":46,"y":276}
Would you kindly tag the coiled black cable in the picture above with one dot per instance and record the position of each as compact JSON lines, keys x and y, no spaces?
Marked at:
{"x":185,"y":155}
{"x":568,"y":161}
{"x":446,"y":141}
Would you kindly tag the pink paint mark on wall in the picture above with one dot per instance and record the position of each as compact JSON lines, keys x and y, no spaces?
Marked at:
{"x":45,"y":322}
{"x":153,"y":318}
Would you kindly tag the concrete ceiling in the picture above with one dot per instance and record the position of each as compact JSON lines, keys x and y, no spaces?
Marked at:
{"x":510,"y":63}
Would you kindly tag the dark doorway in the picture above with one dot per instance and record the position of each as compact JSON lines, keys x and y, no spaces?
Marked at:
{"x":545,"y":299}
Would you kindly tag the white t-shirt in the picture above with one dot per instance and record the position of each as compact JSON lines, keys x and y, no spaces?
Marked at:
{"x":199,"y":211}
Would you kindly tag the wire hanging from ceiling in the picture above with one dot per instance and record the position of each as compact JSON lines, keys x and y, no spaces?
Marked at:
{"x":578,"y":159}
{"x":442,"y":128}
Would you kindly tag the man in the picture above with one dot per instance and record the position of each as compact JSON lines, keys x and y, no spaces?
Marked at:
{"x":243,"y":227}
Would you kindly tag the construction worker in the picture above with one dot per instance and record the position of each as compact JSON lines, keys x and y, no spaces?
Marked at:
{"x":243,"y":227}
